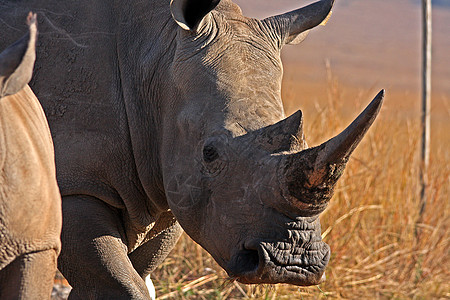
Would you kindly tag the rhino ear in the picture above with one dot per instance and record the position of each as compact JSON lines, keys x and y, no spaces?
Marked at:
{"x":189,"y":13}
{"x":17,"y":61}
{"x":294,"y":26}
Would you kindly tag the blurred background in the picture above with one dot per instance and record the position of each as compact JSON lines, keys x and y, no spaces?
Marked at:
{"x":370,"y":43}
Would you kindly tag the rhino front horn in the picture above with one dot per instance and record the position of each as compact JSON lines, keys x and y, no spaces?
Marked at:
{"x":310,"y":175}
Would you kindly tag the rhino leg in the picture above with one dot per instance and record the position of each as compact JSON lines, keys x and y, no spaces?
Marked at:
{"x":151,"y":254}
{"x":94,"y":256}
{"x":29,"y":276}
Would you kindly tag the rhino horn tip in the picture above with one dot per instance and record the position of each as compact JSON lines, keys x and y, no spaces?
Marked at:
{"x":340,"y":147}
{"x":381,"y":94}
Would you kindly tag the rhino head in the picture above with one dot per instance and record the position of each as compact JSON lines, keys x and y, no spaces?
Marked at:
{"x":238,"y":175}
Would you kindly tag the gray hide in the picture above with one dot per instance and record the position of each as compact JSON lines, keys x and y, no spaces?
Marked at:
{"x":30,"y":203}
{"x":165,"y":112}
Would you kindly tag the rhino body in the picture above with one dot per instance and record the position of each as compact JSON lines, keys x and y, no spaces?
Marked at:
{"x":30,"y":203}
{"x":169,"y":112}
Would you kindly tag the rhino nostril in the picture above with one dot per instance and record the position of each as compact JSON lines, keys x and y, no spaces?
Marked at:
{"x":250,"y":260}
{"x":246,"y":261}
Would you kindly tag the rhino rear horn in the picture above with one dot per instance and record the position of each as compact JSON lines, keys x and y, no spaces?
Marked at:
{"x":286,"y":135}
{"x":189,"y":13}
{"x":293,"y":27}
{"x":311,"y":174}
{"x":17,"y":61}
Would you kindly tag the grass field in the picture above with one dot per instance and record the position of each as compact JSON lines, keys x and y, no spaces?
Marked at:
{"x":381,"y":247}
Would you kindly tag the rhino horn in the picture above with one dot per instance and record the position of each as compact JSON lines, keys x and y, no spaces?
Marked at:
{"x":341,"y":147}
{"x":17,"y":61}
{"x":189,"y":13}
{"x":286,"y":135}
{"x":293,"y":27}
{"x":310,"y":175}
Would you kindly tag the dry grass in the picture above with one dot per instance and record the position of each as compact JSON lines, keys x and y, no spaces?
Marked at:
{"x":381,"y":249}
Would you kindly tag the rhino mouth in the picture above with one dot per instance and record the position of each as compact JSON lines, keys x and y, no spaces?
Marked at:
{"x":260,"y":262}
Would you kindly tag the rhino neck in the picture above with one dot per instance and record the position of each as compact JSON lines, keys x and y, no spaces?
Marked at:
{"x":144,"y":48}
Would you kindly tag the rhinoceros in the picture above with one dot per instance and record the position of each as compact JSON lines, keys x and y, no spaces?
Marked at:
{"x":167,"y":113}
{"x":30,"y":203}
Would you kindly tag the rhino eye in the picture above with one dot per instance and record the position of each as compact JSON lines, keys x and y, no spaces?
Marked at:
{"x":210,"y":154}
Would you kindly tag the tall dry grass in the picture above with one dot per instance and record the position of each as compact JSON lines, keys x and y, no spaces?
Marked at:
{"x":381,"y":247}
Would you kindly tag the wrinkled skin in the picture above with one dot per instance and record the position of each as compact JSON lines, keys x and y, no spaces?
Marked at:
{"x":166,"y":110}
{"x":30,"y":203}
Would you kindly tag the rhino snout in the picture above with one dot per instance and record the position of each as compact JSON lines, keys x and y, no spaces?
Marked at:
{"x":280,"y":262}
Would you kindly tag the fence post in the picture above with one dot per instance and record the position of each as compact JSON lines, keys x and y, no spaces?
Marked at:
{"x":426,"y":101}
